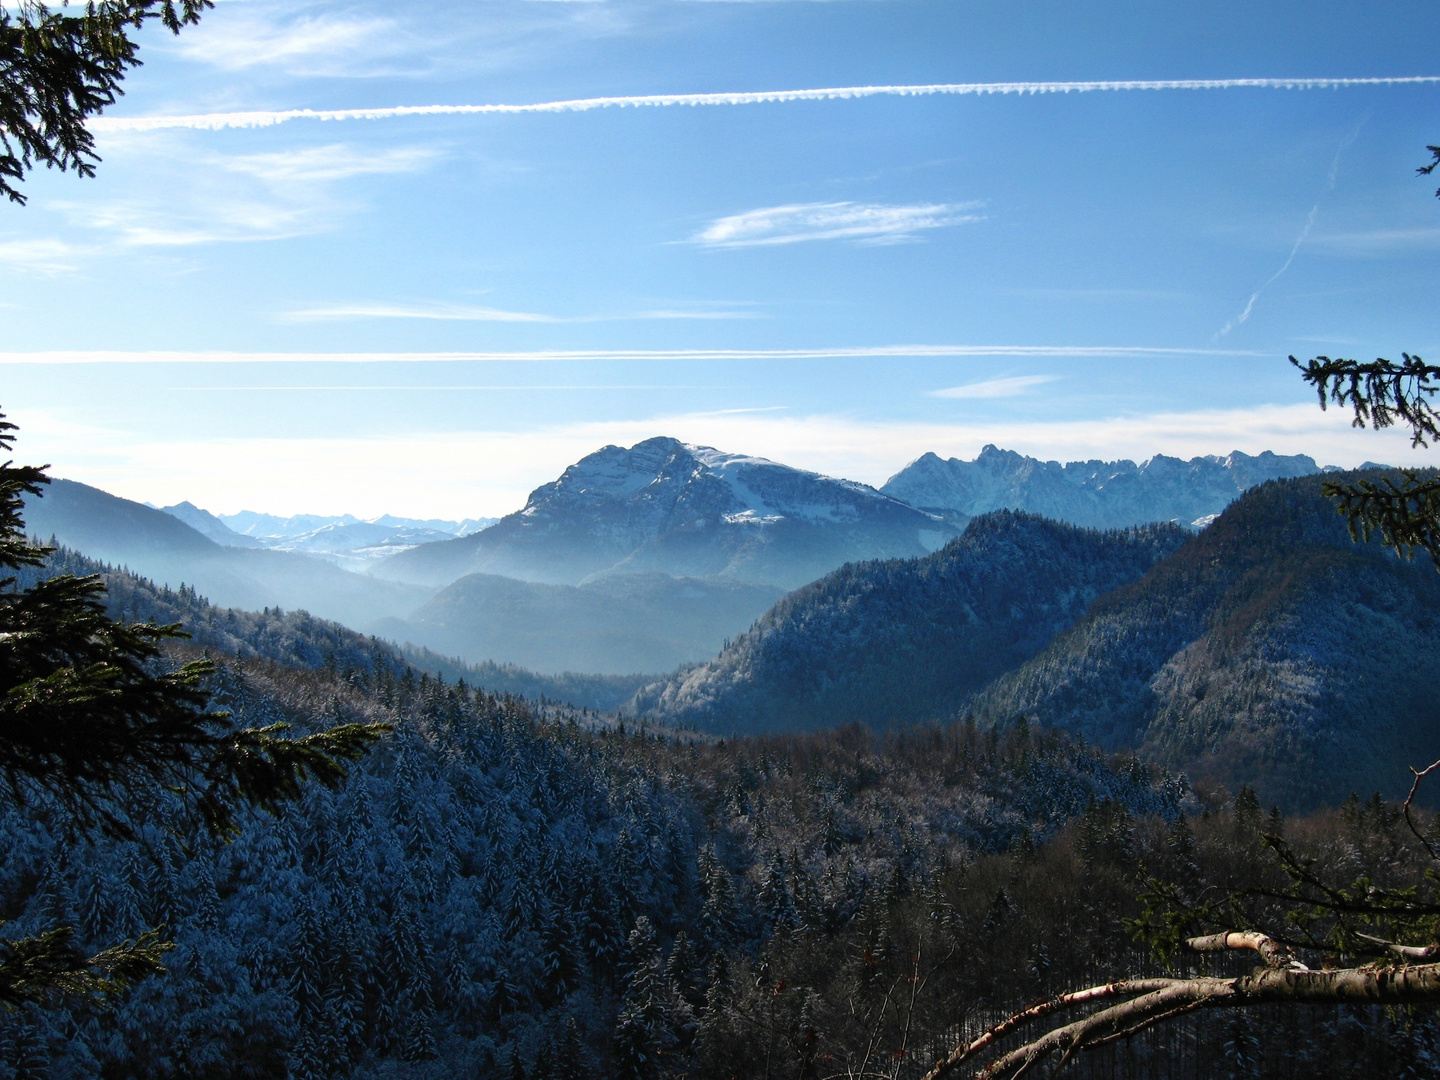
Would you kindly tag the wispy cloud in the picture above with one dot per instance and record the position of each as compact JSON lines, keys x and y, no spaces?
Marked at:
{"x":267,"y":117}
{"x":40,"y":256}
{"x":441,"y":312}
{"x":474,"y":313}
{"x":866,"y":223}
{"x":994,"y":388}
{"x":1376,"y":243}
{"x":1100,"y":294}
{"x":328,"y":44}
{"x":659,"y":355}
{"x":246,"y":197}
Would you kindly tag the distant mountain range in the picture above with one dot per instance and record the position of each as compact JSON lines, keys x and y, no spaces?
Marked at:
{"x":298,"y":639}
{"x":638,"y":559}
{"x":688,"y":511}
{"x":343,"y":539}
{"x":1097,"y":494}
{"x":160,"y":546}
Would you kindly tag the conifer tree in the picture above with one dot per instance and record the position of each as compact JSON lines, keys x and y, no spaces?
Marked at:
{"x":95,"y":721}
{"x":1404,"y":513}
{"x":58,"y":69}
{"x":644,"y":1030}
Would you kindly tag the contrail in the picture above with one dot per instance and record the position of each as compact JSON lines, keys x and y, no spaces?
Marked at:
{"x":1299,"y":241}
{"x":266,"y":118}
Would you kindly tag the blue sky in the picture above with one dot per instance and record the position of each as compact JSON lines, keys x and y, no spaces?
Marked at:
{"x":429,"y":314}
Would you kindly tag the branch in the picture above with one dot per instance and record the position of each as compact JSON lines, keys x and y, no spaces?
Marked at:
{"x":36,"y":970}
{"x":1275,"y":955}
{"x":1405,"y":952}
{"x":1426,"y":170}
{"x":1124,"y":988}
{"x":260,"y":767}
{"x":1420,"y":774}
{"x":1271,"y":985}
{"x":1379,"y":392}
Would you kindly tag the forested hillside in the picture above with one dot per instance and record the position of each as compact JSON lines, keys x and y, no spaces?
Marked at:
{"x":497,"y":889}
{"x":897,"y":641}
{"x":1271,"y":650}
{"x":500,"y":892}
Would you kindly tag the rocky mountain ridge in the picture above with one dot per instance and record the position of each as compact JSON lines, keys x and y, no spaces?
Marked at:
{"x":1096,"y":494}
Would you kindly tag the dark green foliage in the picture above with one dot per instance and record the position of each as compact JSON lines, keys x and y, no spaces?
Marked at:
{"x":1380,"y":393}
{"x":58,"y":69}
{"x":1426,"y":170}
{"x":48,"y":966}
{"x":1403,"y":511}
{"x":902,"y":640}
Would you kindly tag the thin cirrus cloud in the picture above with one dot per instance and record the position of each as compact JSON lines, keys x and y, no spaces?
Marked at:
{"x":476,"y":313}
{"x":659,"y":355}
{"x":40,"y":256}
{"x":308,"y":45}
{"x":1011,"y":386}
{"x":245,"y":197}
{"x":865,"y":223}
{"x":1378,"y":243}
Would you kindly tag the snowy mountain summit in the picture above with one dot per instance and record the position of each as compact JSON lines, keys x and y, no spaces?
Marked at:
{"x":684,"y":510}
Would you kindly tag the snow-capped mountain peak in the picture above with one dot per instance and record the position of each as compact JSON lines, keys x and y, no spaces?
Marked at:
{"x":687,"y":510}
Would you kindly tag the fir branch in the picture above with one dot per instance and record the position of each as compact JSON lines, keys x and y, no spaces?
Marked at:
{"x":259,"y":767}
{"x":1380,"y":392}
{"x":39,"y":969}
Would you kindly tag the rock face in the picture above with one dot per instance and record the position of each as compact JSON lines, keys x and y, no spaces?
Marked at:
{"x":1097,"y":494}
{"x":691,"y":511}
{"x":900,"y":641}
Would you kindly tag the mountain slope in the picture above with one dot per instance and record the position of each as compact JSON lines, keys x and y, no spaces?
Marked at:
{"x":1097,"y":494}
{"x":688,"y":511}
{"x":613,"y":625}
{"x":904,"y":640}
{"x":1271,"y":650}
{"x":157,"y":545}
